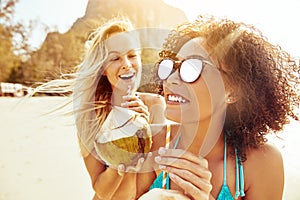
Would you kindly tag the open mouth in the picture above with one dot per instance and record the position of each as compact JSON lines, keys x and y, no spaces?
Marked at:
{"x":176,"y":99}
{"x":127,"y":76}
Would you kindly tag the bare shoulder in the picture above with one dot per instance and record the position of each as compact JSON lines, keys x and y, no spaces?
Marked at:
{"x":264,"y":173}
{"x":264,"y":157}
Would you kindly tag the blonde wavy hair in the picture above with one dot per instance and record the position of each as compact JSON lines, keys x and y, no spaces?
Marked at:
{"x":91,"y":92}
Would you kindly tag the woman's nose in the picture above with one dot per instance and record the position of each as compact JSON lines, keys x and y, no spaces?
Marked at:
{"x":126,"y":63}
{"x":174,"y":78}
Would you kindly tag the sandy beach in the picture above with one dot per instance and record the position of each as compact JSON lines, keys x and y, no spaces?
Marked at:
{"x":40,"y":159}
{"x":39,"y":155}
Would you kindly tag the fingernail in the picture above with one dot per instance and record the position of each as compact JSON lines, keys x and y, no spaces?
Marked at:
{"x":142,"y":160}
{"x":172,"y":176}
{"x":162,"y":150}
{"x":162,"y":167}
{"x":123,"y":104}
{"x":121,"y":167}
{"x":157,"y":159}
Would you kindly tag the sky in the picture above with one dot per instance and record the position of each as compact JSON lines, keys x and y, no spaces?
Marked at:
{"x":277,"y":19}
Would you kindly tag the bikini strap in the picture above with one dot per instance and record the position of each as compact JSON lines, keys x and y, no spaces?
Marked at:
{"x":177,"y":141}
{"x":239,"y":174}
{"x":239,"y":177}
{"x":224,"y":163}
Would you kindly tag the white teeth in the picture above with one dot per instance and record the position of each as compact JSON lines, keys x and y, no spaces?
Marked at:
{"x":127,"y":75}
{"x":174,"y":98}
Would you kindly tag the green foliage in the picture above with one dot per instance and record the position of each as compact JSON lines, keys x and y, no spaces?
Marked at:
{"x":14,"y":46}
{"x":8,"y":60}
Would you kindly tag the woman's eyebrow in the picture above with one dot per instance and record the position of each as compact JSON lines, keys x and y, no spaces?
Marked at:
{"x":197,"y":56}
{"x":119,"y":53}
{"x":113,"y":52}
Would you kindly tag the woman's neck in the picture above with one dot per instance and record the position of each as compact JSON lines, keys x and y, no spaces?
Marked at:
{"x":199,"y":139}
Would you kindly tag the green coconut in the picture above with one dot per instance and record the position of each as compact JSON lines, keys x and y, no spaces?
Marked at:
{"x":124,"y":139}
{"x":126,"y":150}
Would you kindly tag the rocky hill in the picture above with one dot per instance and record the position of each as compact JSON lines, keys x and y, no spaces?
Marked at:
{"x":61,"y":52}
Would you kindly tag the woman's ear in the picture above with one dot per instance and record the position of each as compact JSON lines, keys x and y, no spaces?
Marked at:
{"x":231,"y":97}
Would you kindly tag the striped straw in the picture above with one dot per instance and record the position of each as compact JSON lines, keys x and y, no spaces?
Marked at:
{"x":168,"y":136}
{"x":128,"y":90}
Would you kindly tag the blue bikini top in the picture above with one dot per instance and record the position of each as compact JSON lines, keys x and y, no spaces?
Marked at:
{"x":224,"y":193}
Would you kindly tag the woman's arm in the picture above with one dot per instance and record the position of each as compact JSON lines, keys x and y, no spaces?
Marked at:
{"x":107,"y":183}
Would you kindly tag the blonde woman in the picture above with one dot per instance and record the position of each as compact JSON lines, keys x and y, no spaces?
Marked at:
{"x":109,"y":76}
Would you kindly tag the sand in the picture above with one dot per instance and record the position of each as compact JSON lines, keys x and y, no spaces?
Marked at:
{"x":39,"y":154}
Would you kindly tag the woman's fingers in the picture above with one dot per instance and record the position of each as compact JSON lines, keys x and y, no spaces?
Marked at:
{"x":134,"y":103}
{"x":183,"y":154}
{"x":189,"y":181}
{"x":188,"y":171}
{"x":137,"y":167}
{"x":184,"y":168}
{"x":182,"y":159}
{"x":190,"y":189}
{"x":125,"y":169}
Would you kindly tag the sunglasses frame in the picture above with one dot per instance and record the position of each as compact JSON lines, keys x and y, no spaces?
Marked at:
{"x":177,"y":65}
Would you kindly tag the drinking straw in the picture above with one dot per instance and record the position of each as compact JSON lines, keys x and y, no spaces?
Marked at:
{"x":168,"y":136}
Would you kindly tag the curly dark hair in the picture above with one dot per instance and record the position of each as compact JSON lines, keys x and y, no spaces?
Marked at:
{"x":263,"y":77}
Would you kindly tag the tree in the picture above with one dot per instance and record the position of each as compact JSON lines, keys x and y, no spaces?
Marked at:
{"x":14,"y":43}
{"x":8,"y":59}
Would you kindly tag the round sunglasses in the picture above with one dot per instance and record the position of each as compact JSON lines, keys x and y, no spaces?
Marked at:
{"x":189,"y":69}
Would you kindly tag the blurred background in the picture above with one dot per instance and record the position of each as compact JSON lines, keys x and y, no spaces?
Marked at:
{"x":40,"y":40}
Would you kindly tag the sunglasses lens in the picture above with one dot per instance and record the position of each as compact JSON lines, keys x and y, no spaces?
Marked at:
{"x":190,"y":70}
{"x":165,"y":68}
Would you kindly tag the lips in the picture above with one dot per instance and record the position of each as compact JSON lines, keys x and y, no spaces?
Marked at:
{"x":127,"y":76}
{"x":176,"y":99}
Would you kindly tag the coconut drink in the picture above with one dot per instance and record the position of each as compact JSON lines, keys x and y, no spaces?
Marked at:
{"x":124,"y":138}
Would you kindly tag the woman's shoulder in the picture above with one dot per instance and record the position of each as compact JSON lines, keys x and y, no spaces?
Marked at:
{"x":264,"y":172}
{"x":266,"y":153}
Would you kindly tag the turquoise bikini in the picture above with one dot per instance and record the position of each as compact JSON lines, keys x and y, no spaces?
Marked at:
{"x":224,"y":192}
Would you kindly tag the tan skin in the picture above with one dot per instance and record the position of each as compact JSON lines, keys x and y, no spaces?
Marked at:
{"x":195,"y":176}
{"x":107,"y":182}
{"x":123,"y":60}
{"x":200,"y":177}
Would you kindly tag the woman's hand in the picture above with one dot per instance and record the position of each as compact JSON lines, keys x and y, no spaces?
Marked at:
{"x":134,"y":102}
{"x":136,"y":168}
{"x":186,"y":170}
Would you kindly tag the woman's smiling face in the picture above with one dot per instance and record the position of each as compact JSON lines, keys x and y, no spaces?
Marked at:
{"x":123,"y":64}
{"x":197,"y":101}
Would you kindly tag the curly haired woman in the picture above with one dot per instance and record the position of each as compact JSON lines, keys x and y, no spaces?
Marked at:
{"x":228,"y":87}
